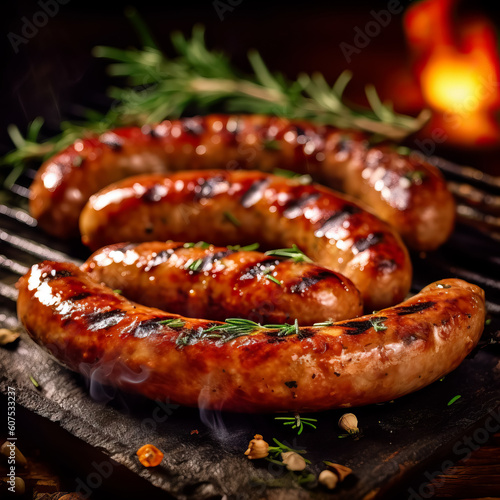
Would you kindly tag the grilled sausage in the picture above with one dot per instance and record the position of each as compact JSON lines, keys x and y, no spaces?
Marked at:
{"x":245,"y":207}
{"x":409,"y":194}
{"x":216,"y":283}
{"x":366,"y":360}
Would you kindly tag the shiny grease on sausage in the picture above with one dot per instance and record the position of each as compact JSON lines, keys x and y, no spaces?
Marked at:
{"x":366,"y":360}
{"x":408,"y":193}
{"x":216,"y":283}
{"x":243,"y":207}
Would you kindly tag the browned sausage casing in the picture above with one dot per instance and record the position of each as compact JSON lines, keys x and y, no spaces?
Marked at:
{"x":218,"y":283}
{"x":366,"y":360}
{"x":409,"y":194}
{"x":241,"y":207}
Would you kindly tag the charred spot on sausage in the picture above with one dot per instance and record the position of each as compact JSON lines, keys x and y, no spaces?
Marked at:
{"x":336,"y":220}
{"x":254,"y":193}
{"x":292,"y":384}
{"x":311,"y":279}
{"x":102,"y":320}
{"x":422,"y":306}
{"x":54,"y":275}
{"x":258,"y":269}
{"x":295,"y":208}
{"x":79,"y":296}
{"x":365,"y":243}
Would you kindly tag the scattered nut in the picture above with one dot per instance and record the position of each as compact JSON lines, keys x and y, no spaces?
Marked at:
{"x":257,"y":448}
{"x":341,"y":470}
{"x":149,"y":455}
{"x":293,"y":461}
{"x":349,"y":423}
{"x":7,"y":336}
{"x":329,"y":479}
{"x":10,"y":450}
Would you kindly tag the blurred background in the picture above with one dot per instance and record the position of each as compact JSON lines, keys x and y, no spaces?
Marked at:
{"x":440,"y":54}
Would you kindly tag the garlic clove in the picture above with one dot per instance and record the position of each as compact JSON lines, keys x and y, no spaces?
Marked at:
{"x":329,"y":479}
{"x":341,"y":470}
{"x":349,"y":423}
{"x":293,"y":461}
{"x":257,"y":448}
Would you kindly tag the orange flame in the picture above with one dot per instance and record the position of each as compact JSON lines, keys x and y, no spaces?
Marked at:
{"x":458,"y":70}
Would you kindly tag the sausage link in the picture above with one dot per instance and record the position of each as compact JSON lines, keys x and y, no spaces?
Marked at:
{"x":367,"y":360}
{"x":243,"y":207}
{"x":218,"y":283}
{"x":408,"y":193}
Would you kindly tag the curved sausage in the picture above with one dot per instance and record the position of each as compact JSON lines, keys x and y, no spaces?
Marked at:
{"x":367,"y":360}
{"x":244,"y":207}
{"x":203,"y":281}
{"x":409,"y":194}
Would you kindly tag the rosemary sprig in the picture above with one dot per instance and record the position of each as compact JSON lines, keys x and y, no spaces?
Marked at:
{"x":202,"y":80}
{"x":232,"y":219}
{"x":270,"y":277}
{"x":298,"y":422}
{"x":172,"y":323}
{"x":378,"y":324}
{"x":283,"y":448}
{"x":293,"y":253}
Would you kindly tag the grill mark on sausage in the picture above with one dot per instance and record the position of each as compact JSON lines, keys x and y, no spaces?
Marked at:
{"x":422,"y":306}
{"x":365,"y":243}
{"x":154,"y":194}
{"x":209,"y":187}
{"x":296,"y":207}
{"x":257,"y":269}
{"x":336,"y":219}
{"x":102,"y":320}
{"x":356,"y":327}
{"x":306,"y":332}
{"x":54,"y":275}
{"x":161,"y":257}
{"x":309,"y":280}
{"x":79,"y":296}
{"x":254,"y":193}
{"x":193,"y":126}
{"x":148,"y":327}
{"x":112,"y":141}
{"x":208,"y":260}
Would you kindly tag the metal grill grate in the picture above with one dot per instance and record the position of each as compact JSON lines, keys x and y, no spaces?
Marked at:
{"x":471,"y":254}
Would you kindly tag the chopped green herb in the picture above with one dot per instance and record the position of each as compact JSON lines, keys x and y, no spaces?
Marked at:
{"x":272,"y":145}
{"x":416,"y":177}
{"x":270,"y":277}
{"x":34,"y":382}
{"x":232,"y":219}
{"x":298,"y":422}
{"x":378,"y":324}
{"x":199,"y":244}
{"x":195,"y":265}
{"x":453,"y":400}
{"x":247,"y":248}
{"x":116,"y":290}
{"x":303,"y":179}
{"x":172,"y":323}
{"x":488,"y":322}
{"x":293,"y":253}
{"x":325,"y":323}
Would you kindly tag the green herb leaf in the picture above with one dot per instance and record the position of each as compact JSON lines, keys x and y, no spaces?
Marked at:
{"x":247,"y":248}
{"x":453,"y":400}
{"x":293,"y":253}
{"x":34,"y":382}
{"x":324,"y":323}
{"x":172,"y":323}
{"x":378,"y":324}
{"x":232,"y":219}
{"x":303,"y":179}
{"x":270,"y":277}
{"x":195,"y":265}
{"x":199,"y":244}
